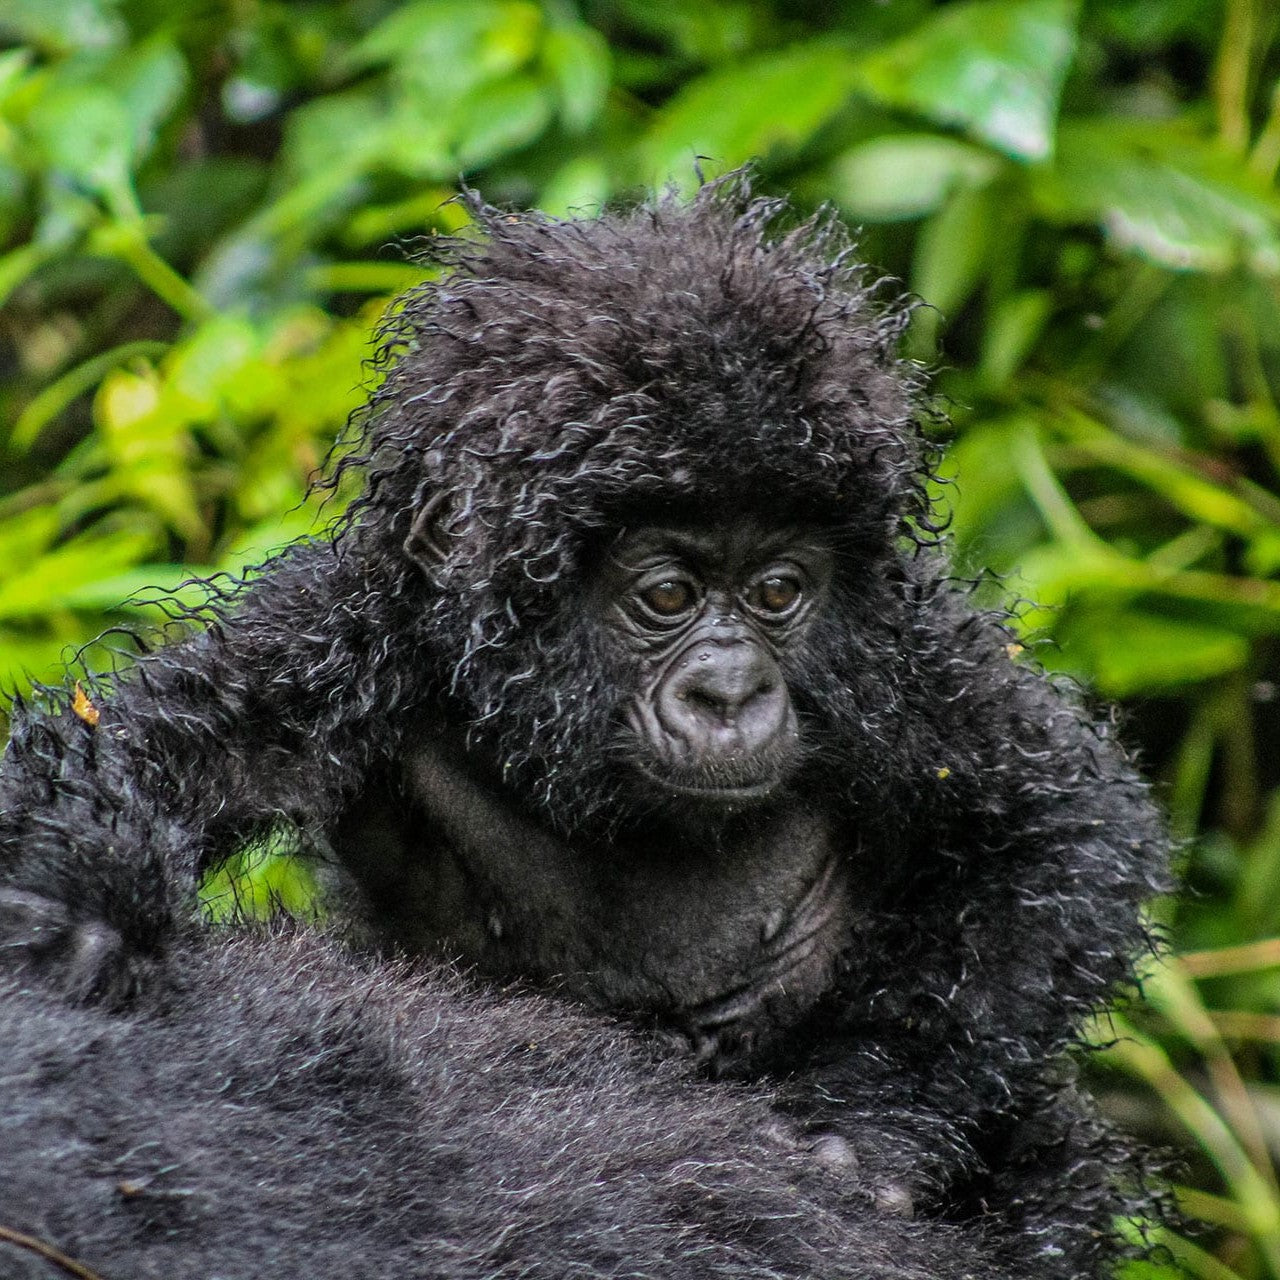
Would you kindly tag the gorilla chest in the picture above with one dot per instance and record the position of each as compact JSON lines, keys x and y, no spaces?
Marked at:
{"x":727,"y":940}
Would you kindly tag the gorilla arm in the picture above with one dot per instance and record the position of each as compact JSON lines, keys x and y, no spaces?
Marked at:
{"x":110,"y":809}
{"x":1015,"y":857}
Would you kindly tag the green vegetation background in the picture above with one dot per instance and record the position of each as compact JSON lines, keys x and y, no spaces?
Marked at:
{"x":205,"y":207}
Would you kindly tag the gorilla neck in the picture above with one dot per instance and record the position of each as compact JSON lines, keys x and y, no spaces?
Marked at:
{"x":726,"y":940}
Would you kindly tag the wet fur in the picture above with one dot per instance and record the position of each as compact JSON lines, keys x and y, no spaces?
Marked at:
{"x":562,"y":380}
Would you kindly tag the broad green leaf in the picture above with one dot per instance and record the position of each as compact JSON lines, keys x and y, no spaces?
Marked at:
{"x":1051,"y":575}
{"x":502,"y":119}
{"x":907,"y":175}
{"x":1128,"y":651}
{"x":1159,"y":190}
{"x":991,"y":515}
{"x":338,"y":132}
{"x":1262,"y":557}
{"x":953,"y":251}
{"x":84,"y":132}
{"x":578,"y":59}
{"x":148,"y":448}
{"x":32,"y":589}
{"x":14,"y":67}
{"x":132,"y":588}
{"x":581,"y":186}
{"x":754,"y":108}
{"x":96,"y":130}
{"x":149,"y":81}
{"x":64,"y":24}
{"x":25,"y":535}
{"x":446,"y":48}
{"x":1012,"y":330}
{"x":992,"y":67}
{"x":27,"y":656}
{"x":212,"y":363}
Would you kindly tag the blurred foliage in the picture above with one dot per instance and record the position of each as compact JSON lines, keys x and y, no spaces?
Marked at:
{"x":205,"y":207}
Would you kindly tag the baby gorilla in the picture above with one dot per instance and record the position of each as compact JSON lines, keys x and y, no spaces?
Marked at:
{"x":709,"y":734}
{"x":636,"y":670}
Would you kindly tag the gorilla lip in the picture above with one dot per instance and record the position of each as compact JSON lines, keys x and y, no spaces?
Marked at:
{"x":760,"y":789}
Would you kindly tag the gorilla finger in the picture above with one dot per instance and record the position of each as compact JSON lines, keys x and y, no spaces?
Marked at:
{"x":84,"y":959}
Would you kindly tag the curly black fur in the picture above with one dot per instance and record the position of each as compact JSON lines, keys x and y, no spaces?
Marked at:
{"x":286,"y":1112}
{"x":561,"y":381}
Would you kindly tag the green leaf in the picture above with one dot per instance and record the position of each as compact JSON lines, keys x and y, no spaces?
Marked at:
{"x":907,"y":175}
{"x":582,"y":185}
{"x":211,"y":363}
{"x":1179,"y":483}
{"x":992,"y":67}
{"x":578,"y":59}
{"x":54,"y":398}
{"x":1159,"y":190}
{"x":19,"y":264}
{"x":1127,"y":651}
{"x":952,"y":253}
{"x":64,"y":24}
{"x":1012,"y":330}
{"x":502,"y":119}
{"x":992,"y":519}
{"x":149,"y":82}
{"x":95,"y":131}
{"x":338,"y":132}
{"x":447,"y":48}
{"x":26,"y":535}
{"x":84,"y":131}
{"x":754,"y":108}
{"x":700,"y":32}
{"x":34,"y":589}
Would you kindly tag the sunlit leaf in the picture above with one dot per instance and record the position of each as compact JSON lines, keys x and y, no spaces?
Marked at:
{"x":64,"y":24}
{"x":992,"y":67}
{"x":1158,"y":190}
{"x":772,"y":103}
{"x":446,"y":48}
{"x":578,"y":59}
{"x":503,"y":119}
{"x":1128,"y":651}
{"x":907,"y":175}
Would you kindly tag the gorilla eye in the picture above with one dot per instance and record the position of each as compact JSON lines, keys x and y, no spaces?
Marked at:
{"x":669,"y":597}
{"x":774,"y":594}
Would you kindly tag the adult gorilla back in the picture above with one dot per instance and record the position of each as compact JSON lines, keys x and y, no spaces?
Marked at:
{"x":284,"y":1111}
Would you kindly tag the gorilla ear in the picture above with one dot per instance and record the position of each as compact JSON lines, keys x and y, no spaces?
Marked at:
{"x":428,"y":542}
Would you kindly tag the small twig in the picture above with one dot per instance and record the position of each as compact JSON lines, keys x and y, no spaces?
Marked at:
{"x":1231,"y":76}
{"x":48,"y":1252}
{"x":1222,"y":961}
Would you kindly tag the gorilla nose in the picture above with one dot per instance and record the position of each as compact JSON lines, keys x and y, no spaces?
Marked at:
{"x":727,"y":698}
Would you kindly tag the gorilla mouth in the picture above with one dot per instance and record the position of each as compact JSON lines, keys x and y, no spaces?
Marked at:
{"x":712,"y":790}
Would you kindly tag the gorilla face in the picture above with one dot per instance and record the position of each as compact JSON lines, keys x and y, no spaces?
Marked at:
{"x":709,"y":616}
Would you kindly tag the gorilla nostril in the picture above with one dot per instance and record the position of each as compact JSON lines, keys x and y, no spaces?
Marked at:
{"x":708,"y":700}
